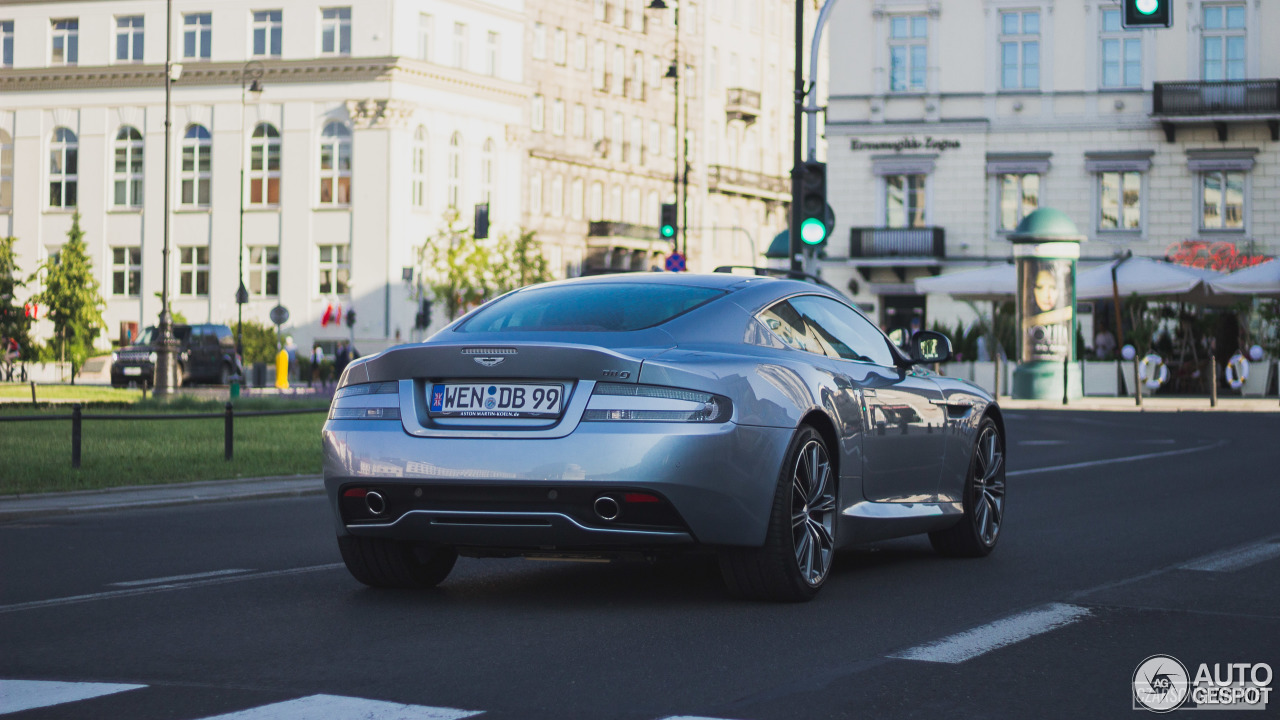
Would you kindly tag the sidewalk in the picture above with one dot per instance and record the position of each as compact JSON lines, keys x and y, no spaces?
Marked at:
{"x":1149,"y":404}
{"x":20,"y":507}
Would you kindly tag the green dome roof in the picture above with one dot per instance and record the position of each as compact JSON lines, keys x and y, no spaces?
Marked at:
{"x":1046,"y":224}
{"x":780,"y":248}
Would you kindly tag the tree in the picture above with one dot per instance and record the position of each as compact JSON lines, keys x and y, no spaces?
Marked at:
{"x":260,"y":342}
{"x":73,"y":300}
{"x":14,"y":322}
{"x":461,"y":272}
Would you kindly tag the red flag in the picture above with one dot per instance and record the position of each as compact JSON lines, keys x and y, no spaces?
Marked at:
{"x":328,"y":316}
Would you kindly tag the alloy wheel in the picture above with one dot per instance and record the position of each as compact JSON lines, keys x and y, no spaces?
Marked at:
{"x":988,"y":485}
{"x":813,"y":509}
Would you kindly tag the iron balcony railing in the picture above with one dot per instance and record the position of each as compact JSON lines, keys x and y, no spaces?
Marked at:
{"x":742,"y":104}
{"x":867,"y":242}
{"x":609,"y":228}
{"x":1228,"y":97}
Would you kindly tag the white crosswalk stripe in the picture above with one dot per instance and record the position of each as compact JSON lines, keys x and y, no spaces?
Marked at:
{"x":19,"y":695}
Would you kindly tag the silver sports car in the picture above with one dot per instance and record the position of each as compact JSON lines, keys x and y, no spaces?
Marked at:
{"x":764,"y":419}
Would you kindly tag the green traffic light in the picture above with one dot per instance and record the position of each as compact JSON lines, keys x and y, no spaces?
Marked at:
{"x":813,"y":231}
{"x":1148,"y":7}
{"x":668,"y":231}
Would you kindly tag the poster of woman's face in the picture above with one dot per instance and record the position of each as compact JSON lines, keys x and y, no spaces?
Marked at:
{"x":1045,"y":286}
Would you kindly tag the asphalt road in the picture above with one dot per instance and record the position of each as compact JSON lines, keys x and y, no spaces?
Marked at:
{"x":243,"y":609}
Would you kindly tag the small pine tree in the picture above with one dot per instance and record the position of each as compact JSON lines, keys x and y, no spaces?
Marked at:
{"x":73,"y":300}
{"x":14,"y":322}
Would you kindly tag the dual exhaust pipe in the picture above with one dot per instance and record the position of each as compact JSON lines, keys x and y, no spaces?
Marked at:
{"x":605,"y":507}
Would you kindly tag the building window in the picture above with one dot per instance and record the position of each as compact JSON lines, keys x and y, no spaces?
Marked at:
{"x":335,"y":269}
{"x":615,"y":137}
{"x":635,"y":154}
{"x":1222,"y":197}
{"x":580,"y":52}
{"x":420,"y":167}
{"x":335,"y":31}
{"x":6,"y":171}
{"x":1020,"y":50}
{"x":579,"y":120}
{"x":126,"y":271}
{"x":904,"y":201}
{"x":539,"y":49}
{"x":596,"y":207}
{"x":197,"y":166}
{"x":335,"y":164}
{"x":535,"y":194}
{"x":193,"y":270}
{"x":908,"y":52}
{"x":600,"y":10}
{"x":128,"y":168}
{"x":560,"y":49}
{"x":557,"y":196}
{"x":424,"y":36}
{"x":63,"y":168}
{"x":598,"y":72}
{"x":1223,"y":36}
{"x":1121,"y":53}
{"x":491,"y":54}
{"x":1019,"y":197}
{"x":557,"y":117}
{"x":486,"y":172}
{"x":6,"y":43}
{"x":455,"y":170}
{"x":264,"y":270}
{"x":460,"y":45}
{"x":66,"y":42}
{"x":129,"y":38}
{"x":537,"y":109}
{"x":1120,"y":201}
{"x":268,"y":26}
{"x":576,"y":198}
{"x":197,"y":36}
{"x":264,"y":165}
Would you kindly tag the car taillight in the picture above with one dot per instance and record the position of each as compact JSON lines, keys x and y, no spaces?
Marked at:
{"x":651,"y":403}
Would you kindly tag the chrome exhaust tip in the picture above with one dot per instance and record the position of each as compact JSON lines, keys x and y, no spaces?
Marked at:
{"x":606,"y":508}
{"x":374,"y":501}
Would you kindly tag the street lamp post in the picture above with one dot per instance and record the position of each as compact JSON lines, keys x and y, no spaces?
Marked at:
{"x":674,"y":73}
{"x":165,"y":346}
{"x":250,"y":82}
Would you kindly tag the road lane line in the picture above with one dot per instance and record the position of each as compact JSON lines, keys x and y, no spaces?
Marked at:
{"x":1042,"y":442}
{"x":1109,"y":461}
{"x":131,"y":592}
{"x":1236,"y":559}
{"x":19,"y":695}
{"x":337,"y":707}
{"x":175,"y":578}
{"x":1007,"y":631}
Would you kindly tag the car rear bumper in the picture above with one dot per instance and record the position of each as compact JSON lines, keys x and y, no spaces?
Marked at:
{"x":719,"y":479}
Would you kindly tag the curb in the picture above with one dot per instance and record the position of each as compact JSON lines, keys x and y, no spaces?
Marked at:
{"x":151,"y":496}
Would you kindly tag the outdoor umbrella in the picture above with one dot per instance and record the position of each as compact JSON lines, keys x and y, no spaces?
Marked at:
{"x":1261,"y":280}
{"x":1146,"y":277}
{"x":993,"y":282}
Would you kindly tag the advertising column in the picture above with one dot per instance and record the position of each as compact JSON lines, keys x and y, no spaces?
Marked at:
{"x":1046,"y":247}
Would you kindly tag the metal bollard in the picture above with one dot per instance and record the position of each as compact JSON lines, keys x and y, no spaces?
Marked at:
{"x":229,"y":433}
{"x":33,"y":392}
{"x":1066,"y":374}
{"x":1213,"y":382}
{"x":999,"y":372}
{"x":1137,"y":383}
{"x":75,"y":435}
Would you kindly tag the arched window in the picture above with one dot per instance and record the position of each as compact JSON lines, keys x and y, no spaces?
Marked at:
{"x":455,"y":170}
{"x":615,"y":203}
{"x":6,"y":170}
{"x":596,"y":207}
{"x":557,"y":196}
{"x":486,"y":172}
{"x":335,"y":164}
{"x":633,"y":206}
{"x":264,"y":165}
{"x":577,"y":198}
{"x":420,"y":167}
{"x":197,"y":166}
{"x":128,"y":168}
{"x":63,"y":168}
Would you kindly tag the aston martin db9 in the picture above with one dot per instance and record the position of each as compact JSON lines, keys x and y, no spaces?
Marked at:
{"x":766,"y":420}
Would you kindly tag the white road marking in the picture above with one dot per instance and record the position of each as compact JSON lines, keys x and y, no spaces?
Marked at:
{"x":1235,"y":559}
{"x":1007,"y":631}
{"x":130,"y":592}
{"x":1042,"y":442}
{"x":175,"y":578}
{"x":337,"y":707}
{"x":690,"y":717}
{"x":19,"y":695}
{"x":1109,"y":461}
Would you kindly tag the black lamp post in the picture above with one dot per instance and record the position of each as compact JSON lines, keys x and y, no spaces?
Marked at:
{"x":166,"y":344}
{"x":250,"y":82}
{"x":673,"y":72}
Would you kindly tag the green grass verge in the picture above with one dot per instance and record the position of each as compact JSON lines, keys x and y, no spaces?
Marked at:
{"x":118,"y":453}
{"x":83,"y":393}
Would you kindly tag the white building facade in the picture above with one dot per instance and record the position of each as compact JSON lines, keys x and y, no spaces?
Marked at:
{"x":373,"y":118}
{"x":950,"y":121}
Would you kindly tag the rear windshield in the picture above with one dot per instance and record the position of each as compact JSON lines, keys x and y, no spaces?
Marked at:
{"x":589,"y":308}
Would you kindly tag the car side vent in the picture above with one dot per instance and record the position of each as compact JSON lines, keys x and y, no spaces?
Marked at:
{"x":488,"y":351}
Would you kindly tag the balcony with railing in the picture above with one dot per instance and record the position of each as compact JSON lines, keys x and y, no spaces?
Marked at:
{"x":610,"y":228}
{"x":736,"y":181}
{"x":879,"y":242}
{"x":742,"y":104}
{"x":1219,"y":103}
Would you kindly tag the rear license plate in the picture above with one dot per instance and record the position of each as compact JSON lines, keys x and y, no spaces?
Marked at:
{"x":498,"y":400}
{"x":133,"y":371}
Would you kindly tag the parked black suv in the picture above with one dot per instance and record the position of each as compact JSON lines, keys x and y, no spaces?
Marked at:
{"x":204,"y":353}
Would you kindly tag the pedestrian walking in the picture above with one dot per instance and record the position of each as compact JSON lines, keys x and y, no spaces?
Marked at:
{"x":341,"y":358}
{"x":317,"y":357}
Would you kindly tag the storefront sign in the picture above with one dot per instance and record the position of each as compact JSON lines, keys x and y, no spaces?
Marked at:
{"x":1220,"y":256}
{"x":906,"y":143}
{"x":1046,"y":286}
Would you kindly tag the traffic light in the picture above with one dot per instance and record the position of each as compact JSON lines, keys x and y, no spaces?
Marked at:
{"x":351,"y":317}
{"x":482,"y":221}
{"x":1148,"y":13}
{"x":423,"y":319}
{"x":815,"y":215}
{"x":667,"y":228}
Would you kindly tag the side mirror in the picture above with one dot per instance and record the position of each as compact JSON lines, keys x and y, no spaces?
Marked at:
{"x":929,"y":347}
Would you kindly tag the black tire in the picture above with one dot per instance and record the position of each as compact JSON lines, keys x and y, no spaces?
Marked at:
{"x":393,"y":564}
{"x":774,"y":571}
{"x":984,"y":494}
